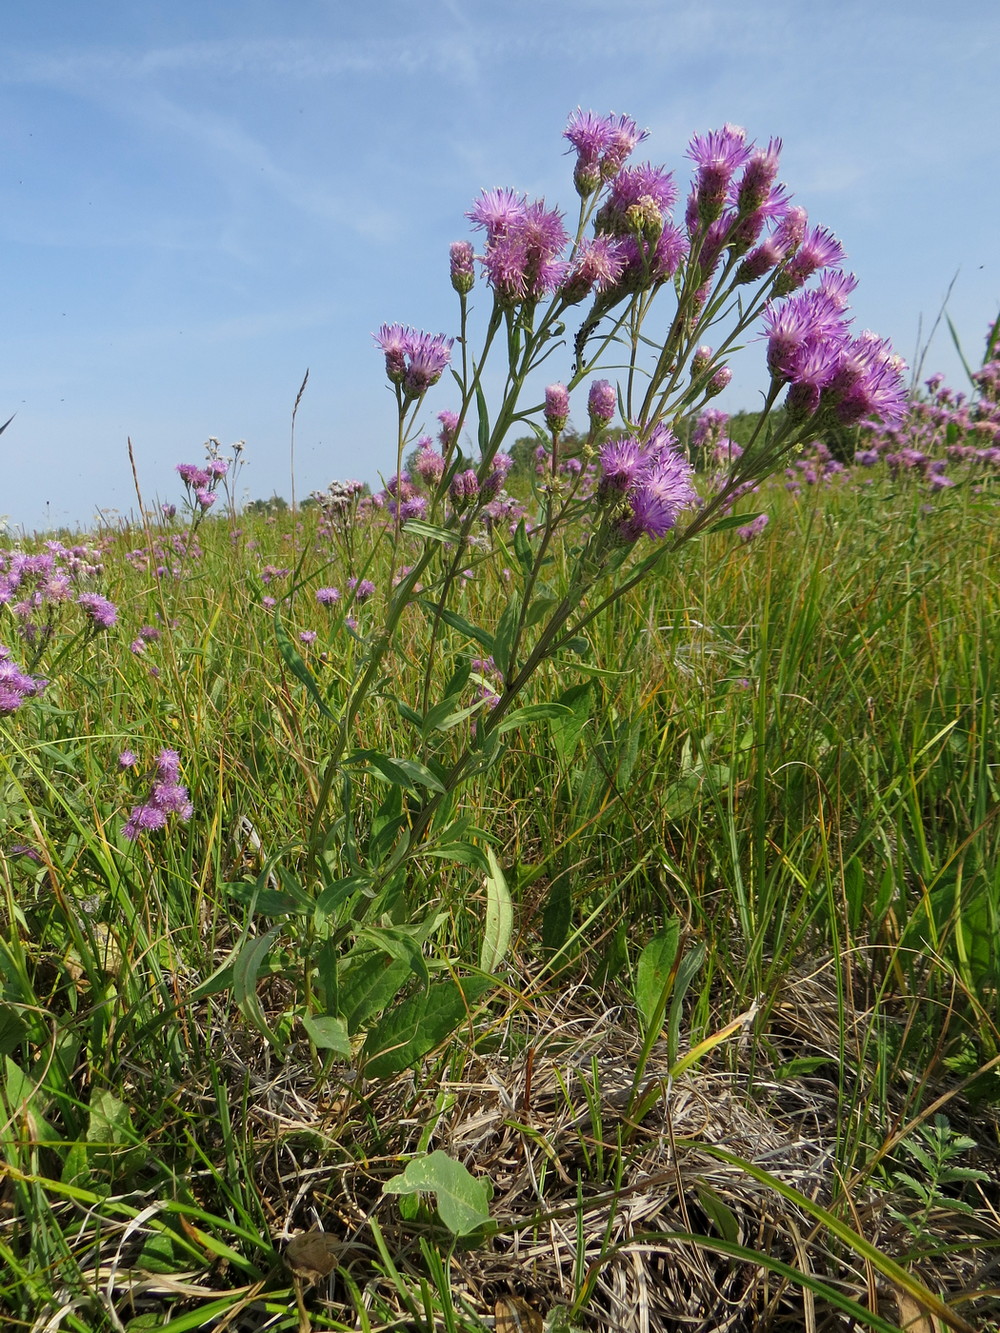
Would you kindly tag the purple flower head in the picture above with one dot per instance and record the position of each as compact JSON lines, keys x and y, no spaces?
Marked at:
{"x":797,"y":327}
{"x":394,"y":342}
{"x":327,"y":596}
{"x":758,"y":177}
{"x":556,"y":407}
{"x":718,"y":156}
{"x":753,"y":529}
{"x":648,"y":188}
{"x":837,"y":286}
{"x":429,"y":465}
{"x":307,"y":636}
{"x":128,"y":759}
{"x":622,"y":463}
{"x":523,"y":244}
{"x":168,"y":511}
{"x":602,"y":401}
{"x":500,"y":465}
{"x":101,"y":613}
{"x":868,"y":382}
{"x":598,"y":265}
{"x":791,"y":230}
{"x":429,"y":354}
{"x":205,"y":497}
{"x":719,"y":381}
{"x":819,"y":249}
{"x":463,"y":268}
{"x":760,"y":261}
{"x":448,"y":433}
{"x":167,"y":797}
{"x":192,"y":475}
{"x":362,"y":590}
{"x":218,"y":467}
{"x":602,"y":144}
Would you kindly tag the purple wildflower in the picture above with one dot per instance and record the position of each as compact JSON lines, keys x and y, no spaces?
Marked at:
{"x":622,"y":462}
{"x":205,"y":497}
{"x":718,"y":155}
{"x":448,"y":433}
{"x":753,"y":529}
{"x":602,"y":144}
{"x":167,"y":797}
{"x":128,"y":759}
{"x":327,"y":596}
{"x":101,"y":613}
{"x":363,"y":590}
{"x":307,"y":636}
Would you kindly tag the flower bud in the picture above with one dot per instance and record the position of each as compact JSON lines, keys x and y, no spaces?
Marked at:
{"x":463,"y":273}
{"x":556,"y":407}
{"x":601,"y":403}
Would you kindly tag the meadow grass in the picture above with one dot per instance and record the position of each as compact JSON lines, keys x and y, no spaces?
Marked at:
{"x":717,"y":1016}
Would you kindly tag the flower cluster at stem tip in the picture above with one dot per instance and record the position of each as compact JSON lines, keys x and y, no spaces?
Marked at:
{"x":741,"y":246}
{"x":167,"y":797}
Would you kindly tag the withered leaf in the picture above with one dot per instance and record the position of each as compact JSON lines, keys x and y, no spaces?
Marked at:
{"x":312,"y":1255}
{"x":515,"y":1315}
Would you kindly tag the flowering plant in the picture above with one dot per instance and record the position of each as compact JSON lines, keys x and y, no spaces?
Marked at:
{"x":644,"y":291}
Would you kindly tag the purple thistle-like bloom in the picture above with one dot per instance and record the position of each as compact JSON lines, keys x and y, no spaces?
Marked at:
{"x":429,"y":465}
{"x":753,"y":529}
{"x":837,"y":285}
{"x":327,"y":596}
{"x":101,"y":613}
{"x":760,"y":261}
{"x":448,"y":433}
{"x":497,"y":211}
{"x":205,"y":497}
{"x":463,"y":269}
{"x":307,"y":636}
{"x":556,"y":407}
{"x":801,"y":322}
{"x":758,"y":177}
{"x":218,"y":467}
{"x":168,"y":511}
{"x":363,"y":590}
{"x":601,"y":403}
{"x":819,"y":249}
{"x":602,"y":144}
{"x":128,"y":759}
{"x":500,"y":465}
{"x":167,"y":797}
{"x":718,"y":156}
{"x":523,"y":244}
{"x":394,"y":342}
{"x":658,"y":499}
{"x":15,"y":685}
{"x":168,"y":766}
{"x":622,"y":463}
{"x":192,"y":475}
{"x":868,"y":382}
{"x":598,"y":265}
{"x":429,"y":354}
{"x":633,"y":186}
{"x":719,"y":381}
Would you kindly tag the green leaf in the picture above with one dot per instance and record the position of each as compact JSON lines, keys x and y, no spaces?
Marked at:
{"x":114,"y":1145}
{"x":522,"y":717}
{"x":246,"y":967}
{"x":296,"y":665}
{"x":328,"y":1033}
{"x":463,"y":853}
{"x":484,"y":419}
{"x":731,"y":521}
{"x":20,"y":1102}
{"x":522,"y":548}
{"x":566,"y":731}
{"x":415,"y":527}
{"x":408,"y":773}
{"x":367,"y":986}
{"x":462,"y":1200}
{"x":406,"y":1034}
{"x":499,"y":917}
{"x":720,"y":1215}
{"x":504,"y":637}
{"x":655,"y":974}
{"x":452,"y":618}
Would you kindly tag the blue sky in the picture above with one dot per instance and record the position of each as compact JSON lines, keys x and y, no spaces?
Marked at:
{"x":199,"y":201}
